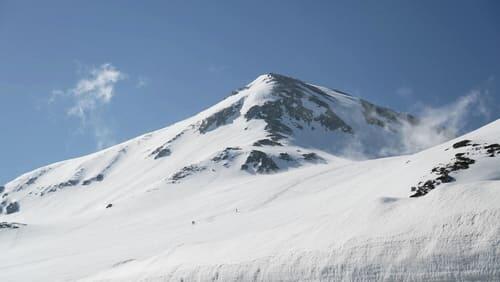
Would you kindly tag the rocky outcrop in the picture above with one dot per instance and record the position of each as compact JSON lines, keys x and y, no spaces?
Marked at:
{"x":266,"y":142}
{"x":8,"y":206}
{"x":222,"y":117}
{"x":461,"y":161}
{"x":259,"y":162}
{"x":312,"y":157}
{"x":11,"y":225}
{"x":381,"y":116}
{"x":98,"y":178}
{"x":226,"y":155}
{"x":185,"y":172}
{"x":290,"y":104}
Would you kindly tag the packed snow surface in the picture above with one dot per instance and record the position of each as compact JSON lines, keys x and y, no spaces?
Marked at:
{"x":207,"y":200}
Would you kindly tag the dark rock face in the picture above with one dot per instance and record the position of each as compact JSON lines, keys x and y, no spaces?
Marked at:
{"x":12,"y":208}
{"x":461,"y":144}
{"x":98,"y":178}
{"x":32,"y":180}
{"x":493,"y":149}
{"x":2,"y":188}
{"x":260,"y":162}
{"x":380,"y":116}
{"x":71,"y":182}
{"x":185,"y":172}
{"x":290,"y":105}
{"x":312,"y":157}
{"x":226,"y":154}
{"x":285,"y":157}
{"x":271,"y":113}
{"x":161,"y":152}
{"x":11,"y":225}
{"x":164,"y":149}
{"x":461,"y":161}
{"x":266,"y":142}
{"x":223,"y":117}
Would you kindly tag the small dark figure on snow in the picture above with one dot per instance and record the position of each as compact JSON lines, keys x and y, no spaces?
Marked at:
{"x":109,"y":205}
{"x":193,"y":222}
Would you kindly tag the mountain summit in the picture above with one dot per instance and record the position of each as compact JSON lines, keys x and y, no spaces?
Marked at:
{"x":273,"y":124}
{"x":282,"y":180}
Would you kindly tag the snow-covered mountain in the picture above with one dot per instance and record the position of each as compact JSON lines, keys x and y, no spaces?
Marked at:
{"x":267,"y":185}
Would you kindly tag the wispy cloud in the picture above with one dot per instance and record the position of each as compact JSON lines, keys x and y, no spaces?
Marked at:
{"x":439,"y":124}
{"x":92,"y":91}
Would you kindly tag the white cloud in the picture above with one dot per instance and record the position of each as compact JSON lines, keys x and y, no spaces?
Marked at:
{"x":95,"y":89}
{"x":440,"y":124}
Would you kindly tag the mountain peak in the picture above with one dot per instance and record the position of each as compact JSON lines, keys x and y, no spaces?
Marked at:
{"x":274,"y":124}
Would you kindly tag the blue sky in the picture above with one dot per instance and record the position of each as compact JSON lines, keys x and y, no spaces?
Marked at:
{"x":164,"y":61}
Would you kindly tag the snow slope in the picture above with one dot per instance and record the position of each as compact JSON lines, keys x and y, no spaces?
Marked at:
{"x":204,"y":200}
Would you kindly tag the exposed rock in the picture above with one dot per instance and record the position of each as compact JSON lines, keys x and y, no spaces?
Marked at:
{"x":12,"y":208}
{"x":290,"y":106}
{"x":380,"y":116}
{"x":226,"y":154}
{"x":32,"y":179}
{"x":164,"y":150}
{"x":259,"y":162}
{"x":271,"y":113}
{"x":266,"y":142}
{"x":98,"y":178}
{"x":11,"y":225}
{"x":461,"y":144}
{"x":461,"y":161}
{"x":74,"y":181}
{"x":161,"y":152}
{"x":312,"y":157}
{"x":71,"y":182}
{"x":220,"y":118}
{"x":285,"y":157}
{"x":185,"y":172}
{"x":493,"y":149}
{"x":332,"y":122}
{"x":2,"y":188}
